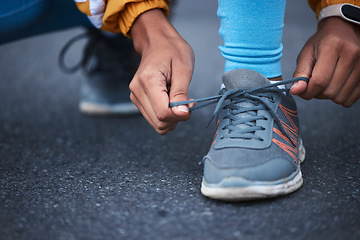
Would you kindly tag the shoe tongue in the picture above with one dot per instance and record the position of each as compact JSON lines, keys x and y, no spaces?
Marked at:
{"x":243,"y":79}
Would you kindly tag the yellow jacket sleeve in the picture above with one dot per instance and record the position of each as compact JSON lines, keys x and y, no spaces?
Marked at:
{"x":117,"y":16}
{"x":317,"y":5}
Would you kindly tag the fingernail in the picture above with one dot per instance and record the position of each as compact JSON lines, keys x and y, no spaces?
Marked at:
{"x":183,"y":108}
{"x":294,"y":85}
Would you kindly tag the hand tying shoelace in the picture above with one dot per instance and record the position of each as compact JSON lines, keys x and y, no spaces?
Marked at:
{"x":257,"y":96}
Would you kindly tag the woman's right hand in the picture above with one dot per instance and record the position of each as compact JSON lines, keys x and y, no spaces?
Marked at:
{"x":164,"y":73}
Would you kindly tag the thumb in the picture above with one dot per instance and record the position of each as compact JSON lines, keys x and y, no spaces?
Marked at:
{"x":179,"y":91}
{"x":305,"y":65}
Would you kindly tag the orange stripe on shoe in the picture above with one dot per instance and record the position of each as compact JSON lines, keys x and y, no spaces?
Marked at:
{"x":282,"y":135}
{"x":288,"y":113}
{"x":292,"y":132}
{"x":214,"y":138}
{"x":288,"y":149}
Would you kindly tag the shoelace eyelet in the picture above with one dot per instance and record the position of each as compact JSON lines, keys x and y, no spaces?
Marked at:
{"x":251,"y":94}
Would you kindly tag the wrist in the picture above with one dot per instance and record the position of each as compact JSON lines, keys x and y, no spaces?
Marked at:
{"x":149,"y":28}
{"x":338,"y":23}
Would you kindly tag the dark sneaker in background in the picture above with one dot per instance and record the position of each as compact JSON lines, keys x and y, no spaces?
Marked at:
{"x":256,"y":152}
{"x":108,"y":63}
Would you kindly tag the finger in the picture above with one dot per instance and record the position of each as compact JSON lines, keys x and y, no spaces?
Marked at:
{"x":181,"y":110}
{"x":355,"y":95}
{"x":322,"y":72}
{"x":350,"y":60}
{"x":180,"y":80}
{"x":173,"y":126}
{"x":160,"y":127}
{"x":141,"y":100}
{"x":341,"y":74}
{"x":135,"y":94}
{"x":298,"y":87}
{"x":155,"y":87}
{"x":351,"y":90}
{"x":305,"y":64}
{"x":349,"y":87}
{"x":152,"y":93}
{"x":141,"y":109}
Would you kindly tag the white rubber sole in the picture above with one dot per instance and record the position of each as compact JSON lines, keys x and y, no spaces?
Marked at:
{"x":116,"y":109}
{"x":252,"y":192}
{"x":255,"y":190}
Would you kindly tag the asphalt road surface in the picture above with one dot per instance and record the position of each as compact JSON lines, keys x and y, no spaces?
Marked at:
{"x":68,"y":176}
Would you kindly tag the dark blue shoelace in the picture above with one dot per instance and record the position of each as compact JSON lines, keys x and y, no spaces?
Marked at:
{"x":237,"y":95}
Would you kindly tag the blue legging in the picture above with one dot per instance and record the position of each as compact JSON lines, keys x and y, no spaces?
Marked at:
{"x":24,"y":18}
{"x":252,"y":32}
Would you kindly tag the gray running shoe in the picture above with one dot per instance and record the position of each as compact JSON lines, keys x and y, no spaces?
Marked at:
{"x":108,"y":64}
{"x":256,"y":152}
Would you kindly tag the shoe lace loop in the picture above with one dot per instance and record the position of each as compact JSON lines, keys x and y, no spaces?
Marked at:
{"x":83,"y":59}
{"x":101,"y":53}
{"x":256,"y":96}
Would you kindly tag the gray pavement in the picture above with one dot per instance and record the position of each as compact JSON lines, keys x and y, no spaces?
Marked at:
{"x":68,"y":176}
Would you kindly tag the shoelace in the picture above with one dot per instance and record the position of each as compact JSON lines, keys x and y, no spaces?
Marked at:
{"x":237,"y":95}
{"x":84,"y":57}
{"x":116,"y":50}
